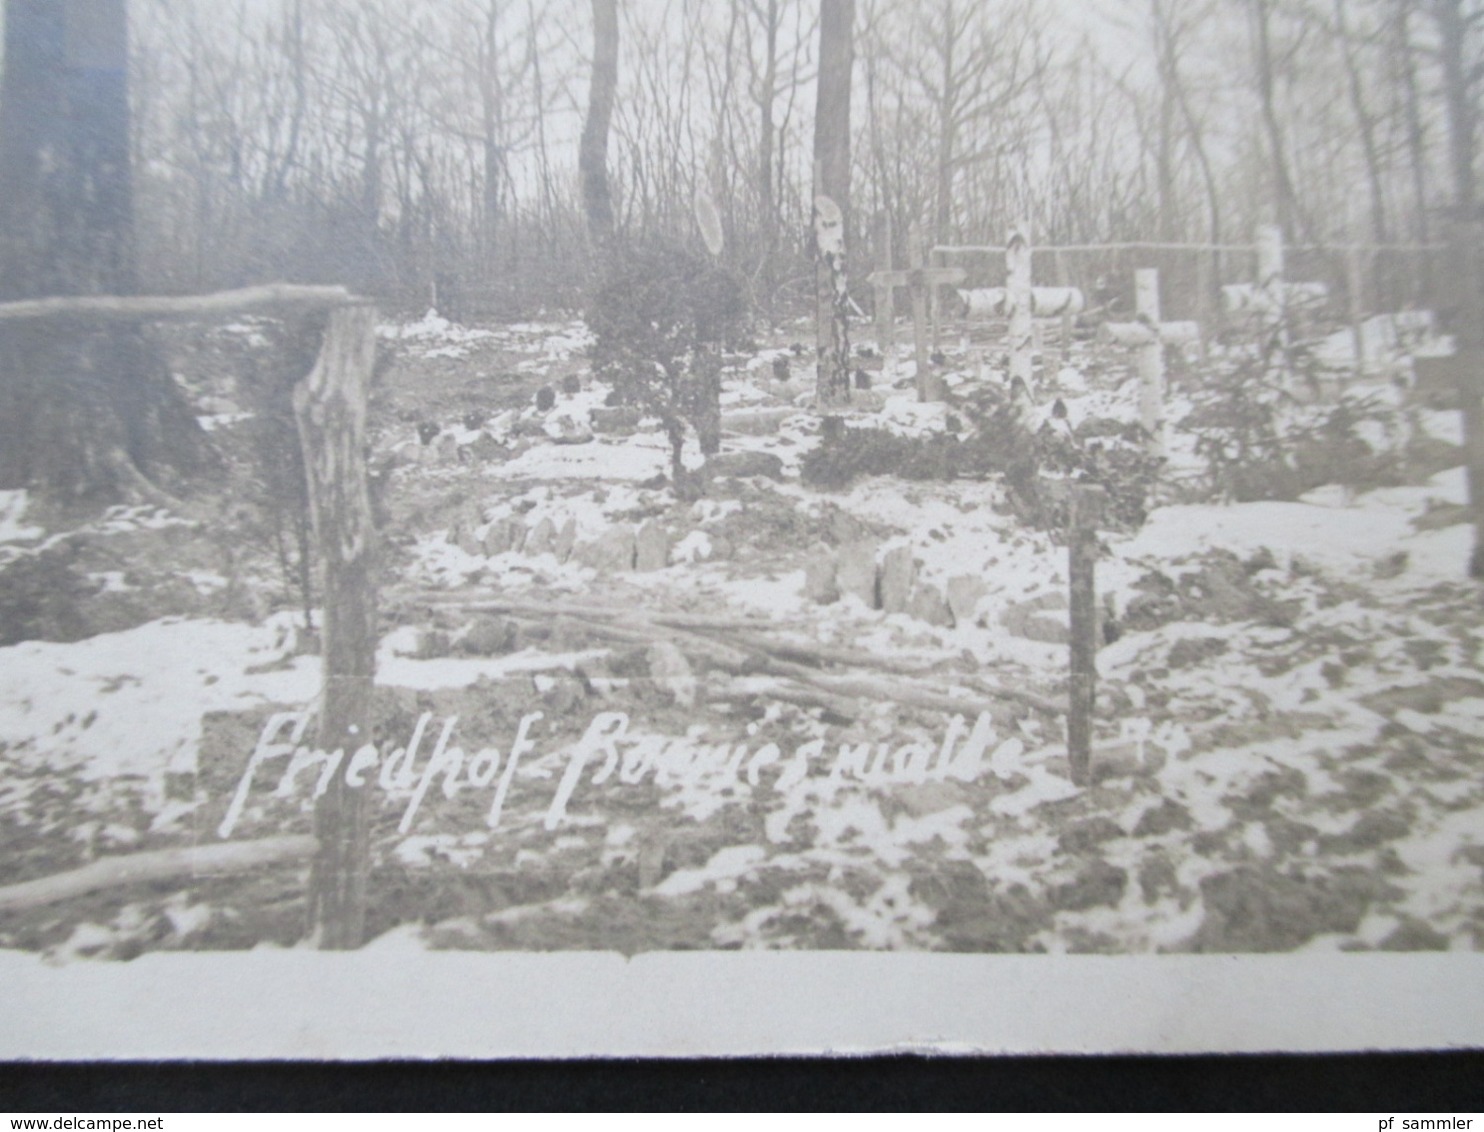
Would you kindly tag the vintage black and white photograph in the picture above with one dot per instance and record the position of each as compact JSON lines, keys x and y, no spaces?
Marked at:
{"x":1001,"y":478}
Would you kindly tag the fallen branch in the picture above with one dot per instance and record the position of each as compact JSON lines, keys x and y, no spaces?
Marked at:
{"x":722,"y":656}
{"x":824,"y":654}
{"x":715,"y":640}
{"x":590,"y":612}
{"x":163,"y":864}
{"x":865,"y":687}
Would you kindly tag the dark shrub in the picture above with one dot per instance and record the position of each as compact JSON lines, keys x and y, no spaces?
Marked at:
{"x":661,"y":317}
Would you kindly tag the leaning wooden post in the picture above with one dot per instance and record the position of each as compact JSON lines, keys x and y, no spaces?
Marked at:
{"x":1151,"y":359}
{"x":886,"y":331}
{"x":1465,"y":266}
{"x":330,"y":408}
{"x":1018,"y":300}
{"x":1086,"y":510}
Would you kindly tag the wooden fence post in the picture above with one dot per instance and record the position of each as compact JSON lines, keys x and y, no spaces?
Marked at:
{"x":1082,"y":552}
{"x":1018,"y":298}
{"x":330,"y":409}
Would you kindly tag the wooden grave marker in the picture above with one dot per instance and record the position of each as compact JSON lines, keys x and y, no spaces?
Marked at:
{"x":918,"y":279}
{"x":1020,"y":302}
{"x":886,"y":333}
{"x":1082,"y":552}
{"x":1151,"y":335}
{"x":1272,"y":299}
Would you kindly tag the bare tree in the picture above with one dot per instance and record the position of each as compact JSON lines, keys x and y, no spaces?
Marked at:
{"x":1457,"y":26}
{"x":81,"y":413}
{"x":1266,"y":65}
{"x":832,"y":198}
{"x":592,"y":156}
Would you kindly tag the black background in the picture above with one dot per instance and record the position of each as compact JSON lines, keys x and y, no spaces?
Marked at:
{"x":1439,"y":1082}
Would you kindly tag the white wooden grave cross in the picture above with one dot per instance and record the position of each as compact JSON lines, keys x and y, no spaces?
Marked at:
{"x":1021,"y":303}
{"x":1271,"y":296}
{"x":918,"y":279}
{"x":1020,"y":298}
{"x":1151,"y":336}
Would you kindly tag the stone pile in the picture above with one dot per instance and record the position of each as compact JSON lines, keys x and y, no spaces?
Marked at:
{"x":891,"y":582}
{"x":620,"y":547}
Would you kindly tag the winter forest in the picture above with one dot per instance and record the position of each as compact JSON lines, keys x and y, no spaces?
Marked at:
{"x":651,"y":475}
{"x":386,"y":145}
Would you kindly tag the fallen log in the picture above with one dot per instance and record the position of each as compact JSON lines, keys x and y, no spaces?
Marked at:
{"x":824,"y":654}
{"x":713,"y":639}
{"x":748,"y":655}
{"x":865,"y":687}
{"x":162,"y":864}
{"x":491,"y":604}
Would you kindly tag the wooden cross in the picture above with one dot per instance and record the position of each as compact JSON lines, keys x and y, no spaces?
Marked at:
{"x":1020,"y":304}
{"x":1272,"y":298}
{"x":1271,"y":295}
{"x":1151,"y":336}
{"x":1020,"y":301}
{"x":918,"y":279}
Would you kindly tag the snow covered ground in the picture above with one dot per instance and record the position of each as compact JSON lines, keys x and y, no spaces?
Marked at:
{"x":1287,"y":750}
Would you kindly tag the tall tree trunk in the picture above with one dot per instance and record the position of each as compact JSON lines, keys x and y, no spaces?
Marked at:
{"x":1412,"y":105}
{"x":1165,"y":146}
{"x":1283,"y":191}
{"x":767,"y":202}
{"x":492,"y":123}
{"x":543,"y":154}
{"x":592,"y":155}
{"x":1458,"y":96}
{"x":1365,"y":122}
{"x":78,"y":401}
{"x":947,"y":127}
{"x":832,"y":180}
